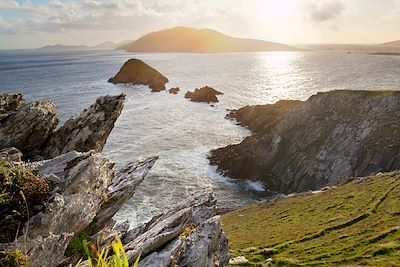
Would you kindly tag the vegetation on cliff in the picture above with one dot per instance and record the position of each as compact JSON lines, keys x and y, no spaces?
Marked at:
{"x":357,"y":223}
{"x":22,"y":194}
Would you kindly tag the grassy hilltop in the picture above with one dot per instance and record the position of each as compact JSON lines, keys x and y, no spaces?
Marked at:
{"x":357,"y":223}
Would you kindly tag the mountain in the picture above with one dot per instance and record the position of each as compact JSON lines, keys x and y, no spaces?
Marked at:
{"x":59,"y":47}
{"x":104,"y":46}
{"x":393,"y":43}
{"x":184,"y":39}
{"x":355,"y":224}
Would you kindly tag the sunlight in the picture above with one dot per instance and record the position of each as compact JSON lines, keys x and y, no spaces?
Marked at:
{"x":279,"y":9}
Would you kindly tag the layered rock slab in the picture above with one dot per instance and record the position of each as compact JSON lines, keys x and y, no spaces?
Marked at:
{"x":87,"y":132}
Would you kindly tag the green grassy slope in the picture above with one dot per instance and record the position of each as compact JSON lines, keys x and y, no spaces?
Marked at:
{"x":357,"y":223}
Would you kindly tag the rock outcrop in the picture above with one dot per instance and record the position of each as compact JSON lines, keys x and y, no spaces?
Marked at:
{"x":173,"y":90}
{"x":10,"y":103}
{"x":135,"y":71}
{"x":87,"y":192}
{"x":87,"y":132}
{"x":30,"y":127}
{"x":298,"y":146}
{"x":189,"y":234}
{"x":83,"y":183}
{"x":11,"y":154}
{"x":46,"y":205}
{"x":204,"y":94}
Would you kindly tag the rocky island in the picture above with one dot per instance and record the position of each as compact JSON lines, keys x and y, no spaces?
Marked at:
{"x":135,"y":71}
{"x":48,"y":207}
{"x":301,"y":145}
{"x":205,"y":94}
{"x":173,"y":90}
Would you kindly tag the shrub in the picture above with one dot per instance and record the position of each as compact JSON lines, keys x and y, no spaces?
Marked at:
{"x":14,"y":259}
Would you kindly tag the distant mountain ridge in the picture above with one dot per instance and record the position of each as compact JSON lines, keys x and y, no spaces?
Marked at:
{"x":102,"y":46}
{"x":191,"y":40}
{"x":393,"y":43}
{"x":64,"y":47}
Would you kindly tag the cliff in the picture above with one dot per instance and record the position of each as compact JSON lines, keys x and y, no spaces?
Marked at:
{"x":191,"y":40}
{"x":392,"y":44}
{"x":136,"y":71}
{"x":355,"y":224}
{"x":48,"y":207}
{"x":297,"y":146}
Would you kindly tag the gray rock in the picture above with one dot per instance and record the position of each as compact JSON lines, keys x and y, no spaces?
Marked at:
{"x":298,"y":146}
{"x":87,"y":132}
{"x":28,"y":127}
{"x":188,"y":235}
{"x":86,"y":181}
{"x":11,"y":154}
{"x":10,"y":103}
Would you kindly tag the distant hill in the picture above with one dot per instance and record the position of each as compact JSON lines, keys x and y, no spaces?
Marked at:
{"x":184,"y":39}
{"x":393,"y":43}
{"x":355,"y":224}
{"x":105,"y":45}
{"x":59,"y":47}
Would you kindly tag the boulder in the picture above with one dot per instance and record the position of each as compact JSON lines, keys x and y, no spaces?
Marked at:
{"x":306,"y":145}
{"x":135,"y":71}
{"x":173,"y":90}
{"x":204,"y":94}
{"x":87,"y":132}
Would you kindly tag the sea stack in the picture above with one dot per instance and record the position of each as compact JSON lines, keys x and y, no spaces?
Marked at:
{"x":205,"y":94}
{"x":136,"y":71}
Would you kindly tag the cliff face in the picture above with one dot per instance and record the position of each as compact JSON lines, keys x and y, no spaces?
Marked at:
{"x":297,"y":146}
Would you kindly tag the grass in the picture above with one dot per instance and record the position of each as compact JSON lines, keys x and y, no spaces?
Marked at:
{"x":103,"y":259}
{"x":21,"y":189}
{"x":357,"y":223}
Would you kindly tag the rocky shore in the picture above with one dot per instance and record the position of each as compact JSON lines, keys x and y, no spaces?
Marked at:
{"x":48,"y":205}
{"x":301,"y":145}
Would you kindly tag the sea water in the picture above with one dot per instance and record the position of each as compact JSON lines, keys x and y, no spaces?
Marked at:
{"x":181,"y":132}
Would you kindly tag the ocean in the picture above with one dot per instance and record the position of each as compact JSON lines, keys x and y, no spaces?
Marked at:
{"x":181,"y":132}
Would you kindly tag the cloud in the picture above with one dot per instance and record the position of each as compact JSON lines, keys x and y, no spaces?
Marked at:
{"x":3,"y":24}
{"x":324,"y":11}
{"x":66,"y":16}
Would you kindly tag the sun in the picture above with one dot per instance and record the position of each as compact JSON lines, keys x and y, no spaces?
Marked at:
{"x":279,"y":9}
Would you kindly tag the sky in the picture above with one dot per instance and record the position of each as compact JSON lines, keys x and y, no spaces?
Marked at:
{"x":35,"y":23}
